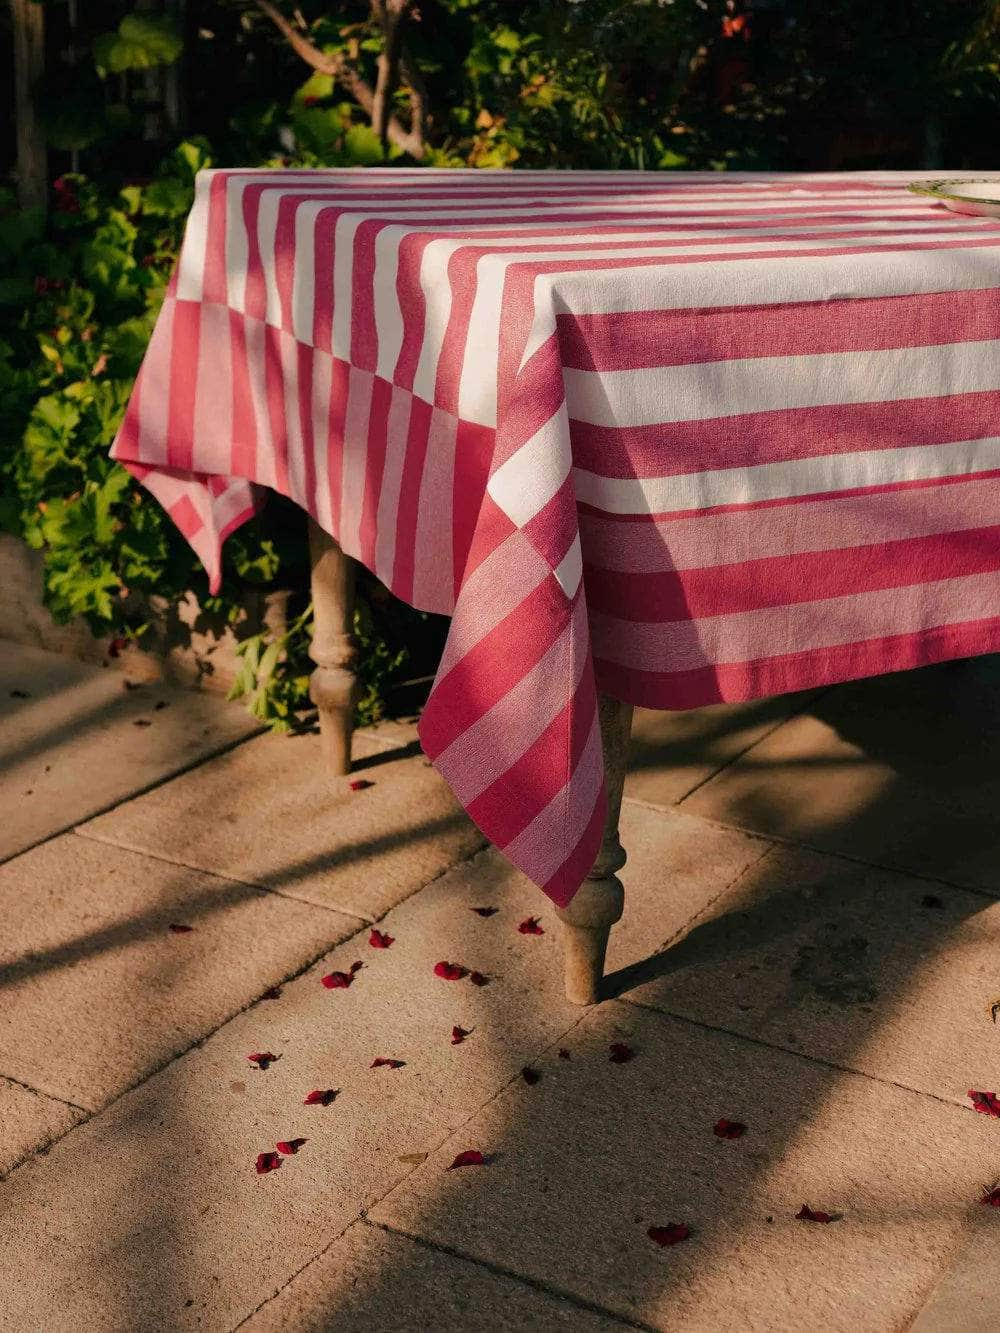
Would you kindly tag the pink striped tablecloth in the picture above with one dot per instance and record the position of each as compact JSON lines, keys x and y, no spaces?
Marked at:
{"x":678,"y":437}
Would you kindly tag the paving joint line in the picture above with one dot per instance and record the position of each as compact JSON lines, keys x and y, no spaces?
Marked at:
{"x":499,"y":1270}
{"x":135,"y":794}
{"x":40,"y":1092}
{"x":777,"y":840}
{"x":797,"y":712}
{"x":787,"y":1050}
{"x":106,"y":841}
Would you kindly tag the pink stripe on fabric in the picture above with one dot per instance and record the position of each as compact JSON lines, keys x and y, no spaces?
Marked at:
{"x":783,"y":580}
{"x":378,"y":426}
{"x":491,"y":743}
{"x":754,"y":438}
{"x":543,"y":771}
{"x":276,"y":365}
{"x":775,"y":631}
{"x":473,"y":456}
{"x":732,"y":682}
{"x":641,"y":544}
{"x":679,"y":337}
{"x":493,"y":667}
{"x":184,"y":383}
{"x":152,"y":430}
{"x":409,"y":492}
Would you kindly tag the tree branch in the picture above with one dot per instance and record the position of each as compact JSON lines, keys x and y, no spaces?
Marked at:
{"x":337,"y":66}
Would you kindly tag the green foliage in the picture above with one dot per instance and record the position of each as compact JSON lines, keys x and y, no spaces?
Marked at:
{"x":141,"y":41}
{"x":78,"y":301}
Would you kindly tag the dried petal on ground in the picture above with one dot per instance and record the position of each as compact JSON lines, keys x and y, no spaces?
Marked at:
{"x":389,"y":1063}
{"x":471,"y":1157}
{"x":530,"y":1075}
{"x":262,"y":1059}
{"x":458,"y":1035}
{"x":289,"y":1147}
{"x":379,"y":941}
{"x":672,"y":1234}
{"x":340,"y":980}
{"x":450,"y":971}
{"x":807,"y":1214}
{"x":320,"y":1097}
{"x":564,"y":1054}
{"x":530,"y":926}
{"x":178,"y":929}
{"x":267,"y":1161}
{"x":619,"y":1052}
{"x":273,"y":994}
{"x":985,"y":1102}
{"x":478,"y":979}
{"x":991,"y":1195}
{"x":359,"y":784}
{"x":728,"y":1129}
{"x":484,"y":911}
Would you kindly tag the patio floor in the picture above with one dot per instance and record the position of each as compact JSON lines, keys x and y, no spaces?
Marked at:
{"x":810,"y":948}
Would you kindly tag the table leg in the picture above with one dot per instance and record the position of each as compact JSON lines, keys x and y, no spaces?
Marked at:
{"x":333,"y":685}
{"x":599,"y":901}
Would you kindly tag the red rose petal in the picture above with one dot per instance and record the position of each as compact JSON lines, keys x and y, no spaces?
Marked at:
{"x":986,"y":1102}
{"x":179,"y":929}
{"x":564,"y":1054}
{"x":620,"y":1053}
{"x":262,"y":1059}
{"x":289,"y":1147}
{"x":267,"y":1161}
{"x":478,"y":979}
{"x":471,"y":1157}
{"x":338,"y":980}
{"x":273,"y":994}
{"x":991,"y":1195}
{"x":728,"y":1129}
{"x":381,"y":1060}
{"x":320,"y":1097}
{"x":359,"y":784}
{"x":807,"y":1214}
{"x":458,"y":1035}
{"x":530,"y":1075}
{"x":530,"y":926}
{"x":484,"y":911}
{"x":672,"y":1234}
{"x":450,"y":971}
{"x":379,"y":941}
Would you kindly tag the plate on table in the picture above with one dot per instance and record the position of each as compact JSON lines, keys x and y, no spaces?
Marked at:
{"x":969,"y":195}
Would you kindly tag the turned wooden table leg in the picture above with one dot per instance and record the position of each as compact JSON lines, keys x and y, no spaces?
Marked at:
{"x":333,"y":685}
{"x":599,"y":901}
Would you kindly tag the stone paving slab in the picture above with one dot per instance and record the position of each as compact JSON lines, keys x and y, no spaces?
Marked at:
{"x":581,"y":1164}
{"x":967,"y":1299}
{"x":865,"y":967}
{"x":95,"y":988}
{"x":900,"y":771}
{"x":371,"y":1278}
{"x":80,"y":740}
{"x":269,"y":813}
{"x":30,"y":1121}
{"x":673,"y":752}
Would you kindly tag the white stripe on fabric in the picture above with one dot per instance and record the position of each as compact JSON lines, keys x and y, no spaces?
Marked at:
{"x":703,"y":391}
{"x":778,"y":481}
{"x":527,"y":481}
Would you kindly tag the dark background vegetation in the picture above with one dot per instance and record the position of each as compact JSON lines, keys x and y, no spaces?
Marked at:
{"x":114,"y":106}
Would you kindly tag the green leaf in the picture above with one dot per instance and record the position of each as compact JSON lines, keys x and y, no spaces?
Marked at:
{"x":142,"y":41}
